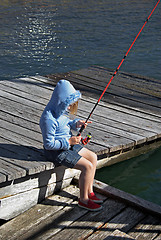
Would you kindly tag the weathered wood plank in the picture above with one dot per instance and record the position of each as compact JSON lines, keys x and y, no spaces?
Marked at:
{"x":3,"y":177}
{"x":24,"y":151}
{"x":100,"y":76}
{"x":134,"y":81}
{"x":20,"y":121}
{"x":35,"y":127}
{"x":148,"y":228}
{"x":114,"y":94}
{"x":151,"y":86}
{"x":34,"y":99}
{"x":31,"y":86}
{"x":35,"y":219}
{"x":110,"y":140}
{"x":90,"y":222}
{"x":12,"y":171}
{"x":20,"y":110}
{"x":135,"y":76}
{"x":14,"y":205}
{"x":159,"y":237}
{"x":118,"y":235}
{"x":124,"y":221}
{"x":124,"y":117}
{"x":128,"y":198}
{"x":111,"y":97}
{"x":36,"y":181}
{"x":25,"y":133}
{"x":23,"y":164}
{"x":135,"y":133}
{"x":142,"y":113}
{"x":18,"y":99}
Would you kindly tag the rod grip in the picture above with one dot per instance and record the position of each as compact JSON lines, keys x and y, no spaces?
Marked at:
{"x":81,"y":130}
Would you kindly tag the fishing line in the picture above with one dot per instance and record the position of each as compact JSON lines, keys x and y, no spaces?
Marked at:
{"x":117,"y":69}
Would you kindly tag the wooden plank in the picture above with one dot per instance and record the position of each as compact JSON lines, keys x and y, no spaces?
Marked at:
{"x":111,"y":97}
{"x":39,"y":180}
{"x":26,"y":96}
{"x":19,"y":121}
{"x":14,"y":205}
{"x":34,"y":137}
{"x":124,"y":117}
{"x":20,"y":110}
{"x":135,"y":133}
{"x":158,"y":237}
{"x":135,"y":76}
{"x":11,"y":170}
{"x":128,"y":198}
{"x":118,"y":235}
{"x":3,"y":177}
{"x":94,"y":93}
{"x":109,"y":140}
{"x":64,"y":218}
{"x":110,"y":159}
{"x":121,"y":222}
{"x":117,"y":131}
{"x":32,"y":221}
{"x":90,"y":222}
{"x":28,"y":152}
{"x":148,"y":228}
{"x":22,"y":163}
{"x":102,"y":77}
{"x":35,"y":127}
{"x":150,"y":86}
{"x":131,"y":78}
{"x":142,"y":113}
{"x":21,"y":135}
{"x":18,"y":99}
{"x":29,"y":158}
{"x":121,"y":93}
{"x":30,"y":86}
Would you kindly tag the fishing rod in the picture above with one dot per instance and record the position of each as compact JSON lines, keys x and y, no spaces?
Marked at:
{"x":85,"y":141}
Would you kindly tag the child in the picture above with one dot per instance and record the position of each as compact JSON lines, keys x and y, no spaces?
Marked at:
{"x":64,"y":149}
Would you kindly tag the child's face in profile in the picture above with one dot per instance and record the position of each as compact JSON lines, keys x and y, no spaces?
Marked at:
{"x":73,"y":108}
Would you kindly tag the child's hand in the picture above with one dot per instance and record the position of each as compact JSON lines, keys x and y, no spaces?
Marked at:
{"x":74,"y":140}
{"x":81,"y":122}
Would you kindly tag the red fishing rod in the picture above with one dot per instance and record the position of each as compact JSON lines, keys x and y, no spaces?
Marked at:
{"x":117,"y":69}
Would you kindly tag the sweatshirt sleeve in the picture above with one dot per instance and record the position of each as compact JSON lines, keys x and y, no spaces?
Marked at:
{"x":50,"y":143}
{"x":73,"y":124}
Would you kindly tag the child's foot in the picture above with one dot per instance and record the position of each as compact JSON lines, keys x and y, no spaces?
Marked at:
{"x":95,"y":199}
{"x":90,"y":205}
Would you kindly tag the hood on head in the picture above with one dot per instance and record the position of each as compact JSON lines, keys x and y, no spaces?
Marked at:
{"x":63,"y":95}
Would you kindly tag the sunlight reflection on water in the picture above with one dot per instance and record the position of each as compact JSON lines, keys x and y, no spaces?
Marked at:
{"x":44,"y":37}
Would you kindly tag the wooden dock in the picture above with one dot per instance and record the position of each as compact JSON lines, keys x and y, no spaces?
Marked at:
{"x":126,"y":123}
{"x":124,"y":216}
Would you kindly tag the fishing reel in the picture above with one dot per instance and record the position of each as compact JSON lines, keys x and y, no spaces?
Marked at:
{"x":86,"y":139}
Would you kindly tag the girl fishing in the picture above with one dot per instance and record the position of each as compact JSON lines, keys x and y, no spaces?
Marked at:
{"x":64,"y":149}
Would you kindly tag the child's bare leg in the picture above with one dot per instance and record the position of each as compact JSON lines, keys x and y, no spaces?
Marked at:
{"x":92,"y":157}
{"x":86,"y":169}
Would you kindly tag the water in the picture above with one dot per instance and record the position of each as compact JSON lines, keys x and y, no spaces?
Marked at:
{"x":49,"y":36}
{"x":140,"y":176}
{"x":46,"y":36}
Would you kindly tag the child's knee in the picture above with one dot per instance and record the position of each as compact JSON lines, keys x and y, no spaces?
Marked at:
{"x":94,"y":158}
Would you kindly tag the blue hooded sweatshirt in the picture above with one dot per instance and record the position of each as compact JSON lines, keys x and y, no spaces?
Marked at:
{"x":54,"y":122}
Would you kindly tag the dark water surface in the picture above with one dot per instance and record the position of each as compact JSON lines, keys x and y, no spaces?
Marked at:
{"x":140,"y":176}
{"x":49,"y":36}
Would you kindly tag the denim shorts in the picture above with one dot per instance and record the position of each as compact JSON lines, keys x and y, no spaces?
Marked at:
{"x":67,"y":158}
